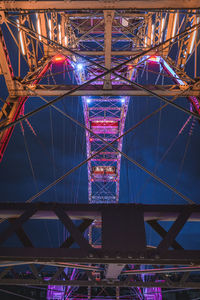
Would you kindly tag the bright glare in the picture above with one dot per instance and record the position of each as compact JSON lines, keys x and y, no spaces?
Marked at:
{"x":122,"y":100}
{"x":88,"y":100}
{"x":80,"y":67}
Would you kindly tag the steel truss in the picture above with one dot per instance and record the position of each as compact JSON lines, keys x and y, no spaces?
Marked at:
{"x":70,"y":33}
{"x":123,"y":242}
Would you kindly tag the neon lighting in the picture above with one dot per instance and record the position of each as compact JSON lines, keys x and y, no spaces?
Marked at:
{"x":59,"y":33}
{"x":55,"y":292}
{"x":21,"y":38}
{"x":49,"y":21}
{"x":152,"y":32}
{"x":153,"y":293}
{"x":154,"y":59}
{"x":171,"y":72}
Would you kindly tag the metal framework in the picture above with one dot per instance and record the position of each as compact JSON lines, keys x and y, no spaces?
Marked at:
{"x":124,"y":242}
{"x":105,"y":46}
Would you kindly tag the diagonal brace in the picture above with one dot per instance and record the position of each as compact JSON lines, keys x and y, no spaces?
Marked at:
{"x":17,"y":224}
{"x":174,"y":230}
{"x":23,"y":237}
{"x":82,"y":227}
{"x":74,"y":231}
{"x":162,"y":232}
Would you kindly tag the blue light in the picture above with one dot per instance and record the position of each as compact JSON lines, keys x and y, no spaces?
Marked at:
{"x":79,"y":67}
{"x":88,"y":100}
{"x":122,"y":100}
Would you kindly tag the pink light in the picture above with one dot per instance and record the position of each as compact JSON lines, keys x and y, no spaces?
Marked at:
{"x":154,"y":59}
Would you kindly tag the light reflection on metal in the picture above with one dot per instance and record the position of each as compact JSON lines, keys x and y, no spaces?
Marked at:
{"x":38,"y":26}
{"x":175,"y":24}
{"x":21,"y":39}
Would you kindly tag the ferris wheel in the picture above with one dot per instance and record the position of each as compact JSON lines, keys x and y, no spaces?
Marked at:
{"x":107,"y":57}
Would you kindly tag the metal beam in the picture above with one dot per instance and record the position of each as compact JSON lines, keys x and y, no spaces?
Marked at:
{"x":116,"y":90}
{"x":120,"y":244}
{"x":106,"y":283}
{"x":99,"y":5}
{"x":94,"y":211}
{"x":108,"y":20}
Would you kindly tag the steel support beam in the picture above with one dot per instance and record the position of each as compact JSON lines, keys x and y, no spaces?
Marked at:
{"x":90,"y":212}
{"x":122,"y":228}
{"x":99,"y":5}
{"x":82,"y":283}
{"x":116,"y":90}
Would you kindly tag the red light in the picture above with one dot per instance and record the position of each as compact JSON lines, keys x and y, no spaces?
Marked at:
{"x":59,"y":58}
{"x":91,"y":139}
{"x":154,"y":59}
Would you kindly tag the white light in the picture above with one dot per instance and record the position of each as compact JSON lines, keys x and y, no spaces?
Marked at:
{"x":88,"y":100}
{"x":38,"y":27}
{"x":174,"y":27}
{"x":49,"y":28}
{"x":59,"y":33}
{"x":21,"y":38}
{"x":79,"y":67}
{"x":152,"y":33}
{"x":172,"y":73}
{"x":193,"y":38}
{"x":122,"y":100}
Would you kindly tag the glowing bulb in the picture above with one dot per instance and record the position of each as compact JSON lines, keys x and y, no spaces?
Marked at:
{"x":59,"y":58}
{"x":122,"y":100}
{"x":79,"y":67}
{"x":88,"y":100}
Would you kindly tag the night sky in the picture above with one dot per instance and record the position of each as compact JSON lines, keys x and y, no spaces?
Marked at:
{"x":32,"y":162}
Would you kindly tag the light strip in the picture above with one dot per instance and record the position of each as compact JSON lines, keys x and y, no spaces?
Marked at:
{"x":162,"y":28}
{"x":59,"y":33}
{"x":21,"y":38}
{"x":49,"y":28}
{"x":152,"y":32}
{"x":38,"y":27}
{"x":174,"y":26}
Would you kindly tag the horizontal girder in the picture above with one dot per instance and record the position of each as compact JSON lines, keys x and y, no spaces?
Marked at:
{"x":82,"y":5}
{"x":122,"y":228}
{"x":94,"y":211}
{"x":103,"y":283}
{"x":122,"y":90}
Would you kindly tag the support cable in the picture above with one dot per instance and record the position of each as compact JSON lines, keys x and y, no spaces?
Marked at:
{"x":111,"y":145}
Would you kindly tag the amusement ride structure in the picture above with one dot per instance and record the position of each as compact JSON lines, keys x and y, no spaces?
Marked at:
{"x":104,"y":46}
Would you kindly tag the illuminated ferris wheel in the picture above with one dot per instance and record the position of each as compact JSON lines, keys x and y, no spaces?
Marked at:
{"x":102,"y":54}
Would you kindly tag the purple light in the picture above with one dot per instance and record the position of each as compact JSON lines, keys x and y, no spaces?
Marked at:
{"x":55,"y":292}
